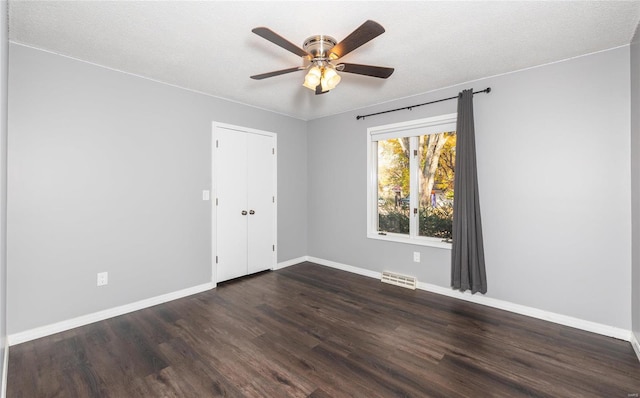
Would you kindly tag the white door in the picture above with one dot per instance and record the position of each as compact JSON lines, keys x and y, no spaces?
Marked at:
{"x":261,"y":202}
{"x":244,"y":181}
{"x":231,"y":198}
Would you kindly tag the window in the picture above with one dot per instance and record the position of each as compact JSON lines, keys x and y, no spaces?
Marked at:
{"x":410,"y":186}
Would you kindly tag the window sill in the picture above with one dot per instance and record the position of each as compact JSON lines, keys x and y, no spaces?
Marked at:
{"x":419,"y":241}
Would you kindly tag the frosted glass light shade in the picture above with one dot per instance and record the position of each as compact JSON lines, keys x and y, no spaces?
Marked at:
{"x":312,"y":79}
{"x":330,"y":79}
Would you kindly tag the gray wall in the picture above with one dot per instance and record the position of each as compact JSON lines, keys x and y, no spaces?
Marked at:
{"x":106,"y":171}
{"x":554,"y":175}
{"x":4,"y":64}
{"x":635,"y":183}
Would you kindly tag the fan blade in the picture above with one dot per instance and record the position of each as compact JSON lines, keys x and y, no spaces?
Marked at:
{"x":276,"y":73}
{"x":368,"y":70}
{"x":366,"y":32}
{"x":276,"y":39}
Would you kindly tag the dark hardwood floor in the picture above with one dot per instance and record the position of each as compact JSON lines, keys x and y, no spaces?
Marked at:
{"x":312,"y":331}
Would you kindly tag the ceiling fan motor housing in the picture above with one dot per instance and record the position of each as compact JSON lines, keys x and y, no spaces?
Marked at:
{"x":319,"y":46}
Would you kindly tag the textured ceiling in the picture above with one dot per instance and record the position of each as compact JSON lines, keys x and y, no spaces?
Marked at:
{"x":208,"y":46}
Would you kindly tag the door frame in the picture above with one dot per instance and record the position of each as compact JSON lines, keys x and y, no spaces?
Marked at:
{"x":214,"y":192}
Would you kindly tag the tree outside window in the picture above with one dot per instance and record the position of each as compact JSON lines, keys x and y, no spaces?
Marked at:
{"x":436,"y":153}
{"x":413,"y":169}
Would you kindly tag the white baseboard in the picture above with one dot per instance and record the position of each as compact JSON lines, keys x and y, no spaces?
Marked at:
{"x":589,"y":326}
{"x":62,"y":326}
{"x":291,"y":262}
{"x":345,"y":267}
{"x":565,"y":320}
{"x":635,"y":343}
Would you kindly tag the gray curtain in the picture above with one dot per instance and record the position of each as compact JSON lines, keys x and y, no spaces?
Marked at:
{"x":467,"y":254}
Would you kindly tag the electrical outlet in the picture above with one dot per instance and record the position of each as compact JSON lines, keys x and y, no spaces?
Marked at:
{"x":103,"y":278}
{"x":416,"y":257}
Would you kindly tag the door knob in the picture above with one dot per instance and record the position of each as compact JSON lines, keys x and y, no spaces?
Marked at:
{"x":252,"y":212}
{"x":244,"y":212}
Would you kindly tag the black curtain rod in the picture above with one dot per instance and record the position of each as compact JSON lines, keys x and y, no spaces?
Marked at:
{"x":486,"y":90}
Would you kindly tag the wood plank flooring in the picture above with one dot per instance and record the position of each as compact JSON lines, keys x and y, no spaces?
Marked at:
{"x":312,"y":331}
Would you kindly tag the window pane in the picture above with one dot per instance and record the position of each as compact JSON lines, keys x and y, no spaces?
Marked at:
{"x":435,"y":176}
{"x":393,"y":185}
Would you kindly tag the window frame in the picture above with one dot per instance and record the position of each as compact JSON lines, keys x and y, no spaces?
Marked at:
{"x":412,"y":129}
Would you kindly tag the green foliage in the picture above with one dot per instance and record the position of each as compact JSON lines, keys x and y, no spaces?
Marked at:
{"x":394,"y":222}
{"x":437,"y":222}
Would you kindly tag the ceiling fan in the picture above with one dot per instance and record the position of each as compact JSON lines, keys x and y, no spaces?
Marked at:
{"x":320,"y":54}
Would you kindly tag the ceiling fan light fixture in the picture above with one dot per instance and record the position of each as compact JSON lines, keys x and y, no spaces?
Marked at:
{"x":313,"y":77}
{"x":319,"y":51}
{"x":330,"y":79}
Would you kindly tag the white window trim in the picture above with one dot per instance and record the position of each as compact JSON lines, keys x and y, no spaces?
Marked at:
{"x":411,"y":128}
